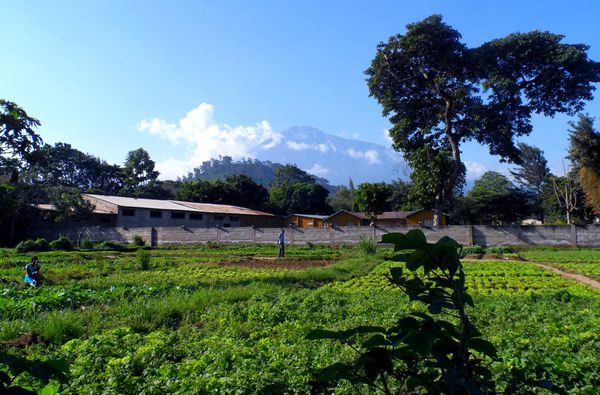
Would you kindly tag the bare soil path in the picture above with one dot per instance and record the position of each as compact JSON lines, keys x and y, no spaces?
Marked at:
{"x":573,"y":276}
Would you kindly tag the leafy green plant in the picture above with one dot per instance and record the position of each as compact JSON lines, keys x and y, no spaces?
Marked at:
{"x":138,"y":241}
{"x":86,"y":244}
{"x":367,"y":246}
{"x":40,"y":244}
{"x":143,"y":259}
{"x":472,"y":250}
{"x":439,"y":352}
{"x":499,"y":250}
{"x":63,"y":243}
{"x":42,"y":370}
{"x":108,"y":245}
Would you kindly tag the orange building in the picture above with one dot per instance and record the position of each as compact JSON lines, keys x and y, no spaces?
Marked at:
{"x":388,"y":218}
{"x":305,"y":220}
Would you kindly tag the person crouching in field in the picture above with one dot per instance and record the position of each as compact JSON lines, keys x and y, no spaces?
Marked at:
{"x":33,"y":272}
{"x":281,"y":243}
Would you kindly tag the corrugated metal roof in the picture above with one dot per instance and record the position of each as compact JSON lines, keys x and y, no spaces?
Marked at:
{"x":50,"y":207}
{"x":385,"y":215}
{"x":309,"y":216}
{"x":388,"y":214}
{"x":176,"y":205}
{"x":154,"y":204}
{"x":222,"y":209}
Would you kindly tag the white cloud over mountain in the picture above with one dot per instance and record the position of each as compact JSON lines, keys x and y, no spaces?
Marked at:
{"x":202,"y":138}
{"x":207,"y":138}
{"x":369,"y":156}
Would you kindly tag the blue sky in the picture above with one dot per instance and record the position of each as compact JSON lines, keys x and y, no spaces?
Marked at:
{"x":92,"y":71}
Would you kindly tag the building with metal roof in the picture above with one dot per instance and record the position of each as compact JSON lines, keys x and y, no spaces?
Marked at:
{"x":128,"y":212}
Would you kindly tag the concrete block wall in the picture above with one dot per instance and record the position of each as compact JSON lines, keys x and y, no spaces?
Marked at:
{"x":559,"y":235}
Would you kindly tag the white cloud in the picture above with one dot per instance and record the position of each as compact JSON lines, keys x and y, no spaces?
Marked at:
{"x":300,"y":146}
{"x":318,"y":170}
{"x":475,"y":169}
{"x":369,"y":156}
{"x":207,"y":138}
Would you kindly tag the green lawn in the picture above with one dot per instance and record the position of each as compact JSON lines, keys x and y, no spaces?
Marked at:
{"x":198,"y":322}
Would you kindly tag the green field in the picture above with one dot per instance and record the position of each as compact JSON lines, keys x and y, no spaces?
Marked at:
{"x":232,"y":319}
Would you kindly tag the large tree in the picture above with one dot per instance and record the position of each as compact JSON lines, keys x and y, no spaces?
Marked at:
{"x":296,"y":191}
{"x":493,"y":200}
{"x":584,"y":152}
{"x":438,"y":93}
{"x":139,"y":175}
{"x":63,"y":165}
{"x":373,"y":198}
{"x":532,"y":171}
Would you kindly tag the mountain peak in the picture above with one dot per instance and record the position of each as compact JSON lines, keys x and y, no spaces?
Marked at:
{"x":332,"y":157}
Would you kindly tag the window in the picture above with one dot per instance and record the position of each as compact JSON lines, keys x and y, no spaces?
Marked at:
{"x":219,"y":217}
{"x":155,"y":214}
{"x":105,"y":220}
{"x":227,"y":226}
{"x":177,"y":215}
{"x":427,"y":222}
{"x":196,"y":217}
{"x":234,"y":219}
{"x":128,"y":212}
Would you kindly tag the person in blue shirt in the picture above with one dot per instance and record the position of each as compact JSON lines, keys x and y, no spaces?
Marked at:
{"x":281,"y":243}
{"x":33,"y":272}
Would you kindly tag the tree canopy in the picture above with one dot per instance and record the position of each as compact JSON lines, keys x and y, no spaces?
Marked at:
{"x":439,"y":93}
{"x":584,"y":152}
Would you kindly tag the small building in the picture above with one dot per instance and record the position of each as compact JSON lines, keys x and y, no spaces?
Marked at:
{"x":128,"y":212}
{"x":305,"y":220}
{"x":389,"y":218}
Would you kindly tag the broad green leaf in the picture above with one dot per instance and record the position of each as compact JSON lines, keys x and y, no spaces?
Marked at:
{"x":417,"y":237}
{"x":317,"y":334}
{"x":376,"y":340}
{"x":484,"y":347}
{"x":396,"y":272}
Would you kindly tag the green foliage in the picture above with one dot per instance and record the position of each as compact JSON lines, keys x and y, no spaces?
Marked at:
{"x":17,"y":131}
{"x":65,"y":166}
{"x":532,"y":171}
{"x":373,"y":198}
{"x":472,"y":250}
{"x":584,"y":152}
{"x":200,"y":309}
{"x":367,"y":246}
{"x":493,"y":200}
{"x":422,"y":352}
{"x":138,"y":241}
{"x":40,"y":244}
{"x":41,"y":370}
{"x":63,"y":243}
{"x":86,"y":244}
{"x":143,"y":259}
{"x":438,"y":93}
{"x":110,"y":246}
{"x":296,"y":191}
{"x":342,"y":198}
{"x":499,"y":250}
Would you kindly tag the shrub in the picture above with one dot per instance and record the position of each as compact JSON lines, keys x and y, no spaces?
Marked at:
{"x":86,"y":244}
{"x":499,"y":250}
{"x":367,"y":245}
{"x":62,"y":243}
{"x":32,"y":245}
{"x":25,"y":246}
{"x":138,"y":241}
{"x":110,"y":246}
{"x":143,"y":258}
{"x":472,"y":250}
